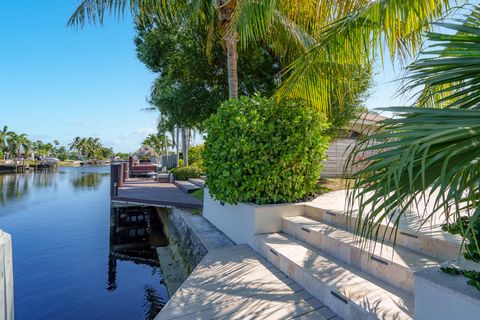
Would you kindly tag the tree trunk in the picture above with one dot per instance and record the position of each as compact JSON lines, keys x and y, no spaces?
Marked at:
{"x":232,"y":58}
{"x":185,"y":146}
{"x":177,"y":146}
{"x":227,"y":8}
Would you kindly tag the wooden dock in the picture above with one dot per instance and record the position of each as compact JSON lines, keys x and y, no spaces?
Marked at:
{"x":152,"y":193}
{"x":237,"y":283}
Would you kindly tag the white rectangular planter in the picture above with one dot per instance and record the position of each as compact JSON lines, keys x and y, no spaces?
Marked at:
{"x":442,"y":296}
{"x":243,"y":221}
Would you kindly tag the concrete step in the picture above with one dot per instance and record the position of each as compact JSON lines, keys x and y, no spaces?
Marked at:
{"x":426,"y":239}
{"x":197,"y":182}
{"x":394,"y":265}
{"x":163,"y":177}
{"x":348,"y":291}
{"x":186,"y":186}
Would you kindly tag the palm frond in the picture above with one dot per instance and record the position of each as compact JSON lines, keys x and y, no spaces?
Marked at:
{"x":448,"y":72}
{"x":365,"y":31}
{"x":426,"y":153}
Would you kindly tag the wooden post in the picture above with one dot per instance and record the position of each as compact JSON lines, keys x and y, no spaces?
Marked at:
{"x":114,"y":177}
{"x":6,"y":277}
{"x":125,"y":171}
{"x":120,"y":175}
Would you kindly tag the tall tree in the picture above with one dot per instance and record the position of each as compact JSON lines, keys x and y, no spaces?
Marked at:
{"x":323,"y":42}
{"x":187,"y":93}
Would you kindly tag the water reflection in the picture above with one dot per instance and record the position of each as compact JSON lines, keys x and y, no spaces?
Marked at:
{"x":13,"y":187}
{"x":87,"y":180}
{"x":67,"y":262}
{"x":134,"y":234}
{"x":17,"y":186}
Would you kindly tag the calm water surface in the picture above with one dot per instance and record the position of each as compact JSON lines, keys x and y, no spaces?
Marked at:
{"x":60,"y":225}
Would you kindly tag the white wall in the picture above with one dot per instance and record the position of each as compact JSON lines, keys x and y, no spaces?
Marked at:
{"x":441,"y":296}
{"x":243,"y":221}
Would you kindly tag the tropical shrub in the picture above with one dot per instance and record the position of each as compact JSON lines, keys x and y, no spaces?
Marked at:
{"x":195,"y":156}
{"x":261,"y":151}
{"x":185,"y":173}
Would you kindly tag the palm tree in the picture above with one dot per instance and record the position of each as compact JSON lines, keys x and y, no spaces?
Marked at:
{"x":16,"y":143}
{"x":3,"y":141}
{"x":89,"y":148}
{"x":430,"y":152}
{"x":321,"y":40}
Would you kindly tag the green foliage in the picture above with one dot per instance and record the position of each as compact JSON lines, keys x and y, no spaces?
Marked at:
{"x":470,"y":234}
{"x":185,"y":173}
{"x":198,"y":194}
{"x":192,"y":81}
{"x":90,"y":148}
{"x":346,"y":108}
{"x":159,"y":142}
{"x":62,"y":156}
{"x":261,"y":151}
{"x":195,"y":156}
{"x":122,"y":155}
{"x":428,"y":153}
{"x":472,"y":276}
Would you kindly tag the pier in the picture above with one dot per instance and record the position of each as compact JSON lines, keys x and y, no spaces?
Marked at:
{"x":137,"y":191}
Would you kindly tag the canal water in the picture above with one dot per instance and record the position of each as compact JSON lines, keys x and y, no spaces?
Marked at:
{"x":64,"y":267}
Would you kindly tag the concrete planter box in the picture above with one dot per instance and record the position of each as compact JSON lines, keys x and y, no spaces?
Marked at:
{"x":442,"y":296}
{"x":243,"y":221}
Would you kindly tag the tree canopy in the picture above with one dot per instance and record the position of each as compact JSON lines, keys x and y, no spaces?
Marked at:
{"x":192,"y":82}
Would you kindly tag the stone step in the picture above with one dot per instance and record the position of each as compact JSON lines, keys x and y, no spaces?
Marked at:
{"x":394,"y":265}
{"x":197,"y":182}
{"x":427,"y":240}
{"x":163,"y":177}
{"x":348,"y":291}
{"x":186,"y":186}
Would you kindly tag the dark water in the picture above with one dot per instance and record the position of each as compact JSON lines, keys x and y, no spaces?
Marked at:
{"x":63,"y":269}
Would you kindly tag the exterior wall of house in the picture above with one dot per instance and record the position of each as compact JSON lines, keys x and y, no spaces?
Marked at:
{"x":336,"y":157}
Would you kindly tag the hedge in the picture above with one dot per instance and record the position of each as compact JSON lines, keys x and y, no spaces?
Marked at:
{"x":185,"y":173}
{"x":261,"y":151}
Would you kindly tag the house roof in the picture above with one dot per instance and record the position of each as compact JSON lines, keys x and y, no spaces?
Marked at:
{"x":371,"y":117}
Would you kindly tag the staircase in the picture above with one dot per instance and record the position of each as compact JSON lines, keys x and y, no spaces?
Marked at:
{"x":356,"y":279}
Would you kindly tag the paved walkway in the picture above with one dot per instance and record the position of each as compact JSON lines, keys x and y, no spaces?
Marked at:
{"x":237,"y":283}
{"x":148,"y":192}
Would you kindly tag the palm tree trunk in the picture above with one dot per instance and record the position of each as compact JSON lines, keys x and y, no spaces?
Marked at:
{"x":177,"y":146}
{"x":232,"y":58}
{"x":185,"y":146}
{"x":226,"y":10}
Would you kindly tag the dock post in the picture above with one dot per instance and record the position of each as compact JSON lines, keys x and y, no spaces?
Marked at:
{"x":114,"y":177}
{"x":6,"y":277}
{"x":120,"y":175}
{"x":130,"y":163}
{"x":125,"y":171}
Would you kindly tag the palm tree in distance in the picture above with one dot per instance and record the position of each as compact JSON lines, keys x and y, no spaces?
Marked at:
{"x":3,"y":141}
{"x":88,"y":148}
{"x":18,"y":144}
{"x":318,"y":40}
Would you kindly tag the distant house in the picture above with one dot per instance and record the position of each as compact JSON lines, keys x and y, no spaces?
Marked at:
{"x":340,"y":148}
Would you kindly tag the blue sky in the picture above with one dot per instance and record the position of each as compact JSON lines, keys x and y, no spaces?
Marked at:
{"x":58,"y":83}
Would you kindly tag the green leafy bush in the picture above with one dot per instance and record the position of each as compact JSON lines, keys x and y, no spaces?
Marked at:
{"x":261,"y":151}
{"x":195,"y":156}
{"x":185,"y":173}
